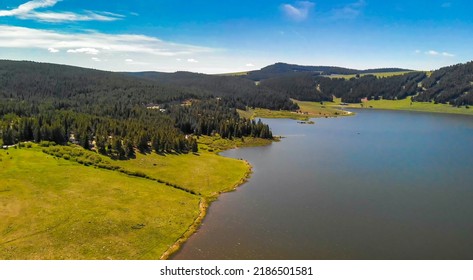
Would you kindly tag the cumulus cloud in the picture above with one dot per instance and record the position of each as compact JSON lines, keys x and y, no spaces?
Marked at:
{"x":350,"y":11}
{"x":191,"y":60}
{"x":437,"y":53}
{"x":298,"y":11}
{"x":28,"y":11}
{"x":432,"y":52}
{"x":92,"y":43}
{"x":84,"y":50}
{"x":53,"y":50}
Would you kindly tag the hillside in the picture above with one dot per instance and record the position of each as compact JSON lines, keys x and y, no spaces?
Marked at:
{"x":453,"y":85}
{"x":115,"y":113}
{"x":238,"y":91}
{"x":283,"y":69}
{"x":449,"y":85}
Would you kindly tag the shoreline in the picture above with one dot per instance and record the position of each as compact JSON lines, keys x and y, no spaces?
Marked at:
{"x":204,"y":205}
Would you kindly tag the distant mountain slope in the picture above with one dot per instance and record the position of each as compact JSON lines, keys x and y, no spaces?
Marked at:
{"x":239,"y":91}
{"x":284,"y":69}
{"x":90,"y":90}
{"x":306,"y":87}
{"x":452,"y":84}
{"x":40,"y":82}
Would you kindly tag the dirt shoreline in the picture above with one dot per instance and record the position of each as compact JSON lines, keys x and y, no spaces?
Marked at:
{"x":204,"y":204}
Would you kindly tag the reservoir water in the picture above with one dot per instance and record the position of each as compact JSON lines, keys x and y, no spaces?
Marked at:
{"x":379,"y":185}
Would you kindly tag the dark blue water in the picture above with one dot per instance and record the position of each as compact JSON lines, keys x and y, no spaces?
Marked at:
{"x":379,"y":185}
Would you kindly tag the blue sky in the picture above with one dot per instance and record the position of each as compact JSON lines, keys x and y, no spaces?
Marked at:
{"x":227,"y":36}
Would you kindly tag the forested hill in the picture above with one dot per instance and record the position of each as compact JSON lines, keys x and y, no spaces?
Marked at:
{"x":449,"y":85}
{"x":453,"y":84}
{"x":111,"y":112}
{"x":283,"y":69}
{"x":237,"y":91}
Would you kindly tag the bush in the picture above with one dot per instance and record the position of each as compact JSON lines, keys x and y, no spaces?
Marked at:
{"x":45,"y":143}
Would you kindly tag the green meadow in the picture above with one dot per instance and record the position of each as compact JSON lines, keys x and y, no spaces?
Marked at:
{"x":404,"y":105}
{"x":379,"y":75}
{"x":87,"y":207}
{"x":307,"y":110}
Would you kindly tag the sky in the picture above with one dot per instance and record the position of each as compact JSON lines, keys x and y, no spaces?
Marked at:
{"x":210,"y":36}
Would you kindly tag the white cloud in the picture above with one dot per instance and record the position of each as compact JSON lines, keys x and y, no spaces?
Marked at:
{"x":93,"y":43}
{"x":432,"y":52}
{"x":447,"y":54}
{"x":28,"y":11}
{"x":28,"y":7}
{"x":96,"y":59}
{"x":191,"y":60}
{"x":84,"y":50}
{"x":349,"y":11}
{"x":249,"y":65}
{"x":53,"y":50}
{"x":436,"y":53}
{"x":128,"y":60}
{"x":299,"y":11}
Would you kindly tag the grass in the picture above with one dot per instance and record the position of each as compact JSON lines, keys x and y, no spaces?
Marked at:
{"x":379,"y":75}
{"x":307,"y":110}
{"x":405,"y":105}
{"x":316,"y":109}
{"x":235,"y":74}
{"x":53,"y":208}
{"x":205,"y":173}
{"x":77,"y":204}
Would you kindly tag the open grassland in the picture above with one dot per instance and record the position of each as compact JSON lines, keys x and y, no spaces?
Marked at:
{"x":320,"y":110}
{"x":51,"y":208}
{"x":235,"y":74}
{"x":307,"y":110}
{"x":205,"y":173}
{"x":405,"y":105}
{"x":217,"y":144}
{"x":379,"y":75}
{"x":76,"y":204}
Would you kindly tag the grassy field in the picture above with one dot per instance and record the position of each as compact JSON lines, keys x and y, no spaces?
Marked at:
{"x":307,"y":110}
{"x":53,"y":208}
{"x":316,"y":109}
{"x":57,"y":209}
{"x":405,"y":105}
{"x":379,"y":75}
{"x":206,"y":173}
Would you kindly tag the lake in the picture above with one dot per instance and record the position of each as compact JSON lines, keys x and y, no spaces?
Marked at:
{"x":378,"y":185}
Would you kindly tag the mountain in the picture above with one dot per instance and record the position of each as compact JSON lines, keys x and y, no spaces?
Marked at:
{"x":449,"y":85}
{"x":452,"y":84}
{"x":283,"y":69}
{"x":239,"y":91}
{"x":108,"y":111}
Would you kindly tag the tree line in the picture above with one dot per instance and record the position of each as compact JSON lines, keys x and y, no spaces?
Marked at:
{"x":113,"y":113}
